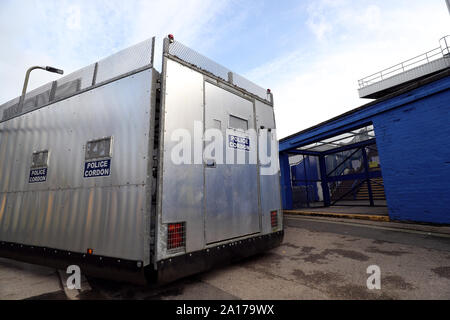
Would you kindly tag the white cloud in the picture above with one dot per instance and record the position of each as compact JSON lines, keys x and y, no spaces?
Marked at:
{"x":355,"y":40}
{"x":70,"y":35}
{"x":73,"y":20}
{"x":311,"y":83}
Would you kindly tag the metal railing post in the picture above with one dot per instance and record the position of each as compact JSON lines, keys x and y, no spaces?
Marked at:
{"x":324,"y":181}
{"x":366,"y":169}
{"x":381,"y":75}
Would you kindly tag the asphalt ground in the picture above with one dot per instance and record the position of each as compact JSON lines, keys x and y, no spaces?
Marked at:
{"x":320,"y":258}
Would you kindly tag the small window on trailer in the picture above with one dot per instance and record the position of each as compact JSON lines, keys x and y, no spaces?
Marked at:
{"x":99,"y":148}
{"x":238,"y":123}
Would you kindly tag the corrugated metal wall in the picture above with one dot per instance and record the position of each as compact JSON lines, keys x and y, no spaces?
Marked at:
{"x":68,"y":211}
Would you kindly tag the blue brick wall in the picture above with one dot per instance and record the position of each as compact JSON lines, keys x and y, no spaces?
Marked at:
{"x":414,"y":148}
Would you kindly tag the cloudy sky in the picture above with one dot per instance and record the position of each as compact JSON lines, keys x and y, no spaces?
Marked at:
{"x":309,"y":52}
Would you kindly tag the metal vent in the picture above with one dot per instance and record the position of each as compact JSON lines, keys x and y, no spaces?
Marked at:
{"x":68,"y":88}
{"x":274,"y":219}
{"x":132,"y":58}
{"x":198,"y":60}
{"x":176,"y":236}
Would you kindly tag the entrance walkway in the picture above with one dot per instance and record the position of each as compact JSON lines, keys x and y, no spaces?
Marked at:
{"x":354,"y":212}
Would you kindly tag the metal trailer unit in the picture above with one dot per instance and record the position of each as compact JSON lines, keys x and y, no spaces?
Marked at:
{"x":88,"y":175}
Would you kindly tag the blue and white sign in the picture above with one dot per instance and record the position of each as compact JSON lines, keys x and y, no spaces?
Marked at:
{"x":97,"y":168}
{"x":38,"y":175}
{"x":239,"y":143}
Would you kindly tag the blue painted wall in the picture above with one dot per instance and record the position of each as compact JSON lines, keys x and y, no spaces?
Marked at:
{"x":312,"y":175}
{"x":414,"y":148}
{"x":285,"y":182}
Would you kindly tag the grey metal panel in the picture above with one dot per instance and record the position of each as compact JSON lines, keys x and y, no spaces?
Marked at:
{"x":264,"y":115}
{"x":231,"y":190}
{"x":185,"y":53}
{"x":199,"y":61}
{"x":132,"y":58}
{"x":8,"y":104}
{"x":33,"y":99}
{"x":35,"y":92}
{"x":100,"y":218}
{"x":181,"y":186}
{"x":29,"y":104}
{"x":269,"y":184}
{"x":250,"y":86}
{"x":121,"y":63}
{"x":68,"y":88}
{"x":43,"y":98}
{"x":68,"y":211}
{"x":83,"y":75}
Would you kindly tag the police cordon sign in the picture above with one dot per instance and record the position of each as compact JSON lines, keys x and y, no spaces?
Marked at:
{"x":38,"y":175}
{"x":98,"y":168}
{"x":240,"y":143}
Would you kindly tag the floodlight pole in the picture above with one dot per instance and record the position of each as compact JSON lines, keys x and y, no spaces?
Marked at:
{"x":27,"y":77}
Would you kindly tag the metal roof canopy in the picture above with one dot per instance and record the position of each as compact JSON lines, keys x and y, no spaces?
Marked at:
{"x":345,"y":139}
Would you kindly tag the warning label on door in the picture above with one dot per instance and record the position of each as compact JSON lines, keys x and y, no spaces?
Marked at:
{"x":239,"y":143}
{"x":98,"y":168}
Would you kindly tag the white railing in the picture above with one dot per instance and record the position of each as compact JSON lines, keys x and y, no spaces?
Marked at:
{"x":442,"y":51}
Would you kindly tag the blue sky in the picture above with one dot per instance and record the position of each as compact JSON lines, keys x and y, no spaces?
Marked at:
{"x":310,"y":53}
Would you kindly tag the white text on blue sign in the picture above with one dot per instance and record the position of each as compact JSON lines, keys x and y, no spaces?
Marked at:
{"x":98,"y":168}
{"x":240,"y":143}
{"x":38,"y":175}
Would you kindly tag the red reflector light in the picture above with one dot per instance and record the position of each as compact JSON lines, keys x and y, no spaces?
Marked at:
{"x":176,"y":235}
{"x":274,"y":218}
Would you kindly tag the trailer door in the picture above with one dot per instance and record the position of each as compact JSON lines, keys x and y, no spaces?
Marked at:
{"x":231,"y":176}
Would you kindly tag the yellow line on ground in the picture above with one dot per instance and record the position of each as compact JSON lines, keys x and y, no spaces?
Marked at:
{"x":339,"y":215}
